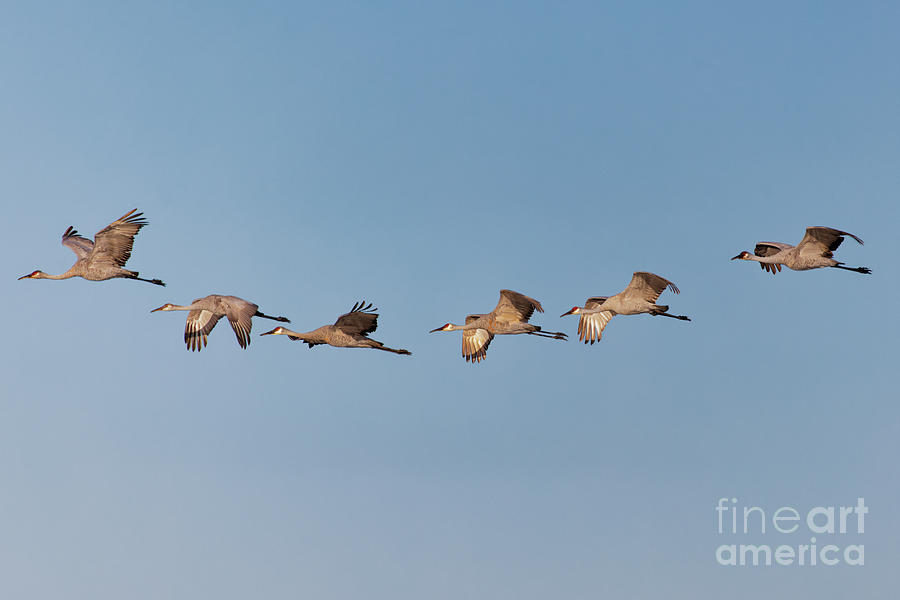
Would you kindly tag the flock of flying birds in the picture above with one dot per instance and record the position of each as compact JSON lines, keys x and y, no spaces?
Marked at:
{"x":105,"y":258}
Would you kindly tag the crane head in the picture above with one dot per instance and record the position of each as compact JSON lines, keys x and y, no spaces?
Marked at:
{"x":32,"y":275}
{"x":743,"y":256}
{"x":445,"y":327}
{"x":276,"y":331}
{"x":166,"y":306}
{"x":572,"y":311}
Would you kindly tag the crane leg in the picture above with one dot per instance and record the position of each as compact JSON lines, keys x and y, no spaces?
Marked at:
{"x":376,"y":345}
{"x":865,"y":270}
{"x":394,"y":350}
{"x":282,"y":319}
{"x":153,"y":281}
{"x":554,"y":335}
{"x":665,"y":314}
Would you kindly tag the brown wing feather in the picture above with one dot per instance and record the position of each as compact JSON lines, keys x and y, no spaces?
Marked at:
{"x":823,"y":239}
{"x":241,"y":324}
{"x":770,"y":248}
{"x":475,"y":343}
{"x":649,"y":285}
{"x":360,"y":320}
{"x":590,"y":326}
{"x":514,"y":307}
{"x":196,"y":329}
{"x":595,"y":301}
{"x":113,"y":243}
{"x":81,"y":246}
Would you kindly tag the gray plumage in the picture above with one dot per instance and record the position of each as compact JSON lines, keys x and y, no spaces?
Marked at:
{"x":509,"y":317}
{"x":206,"y":312}
{"x":638,"y":297}
{"x":815,"y":250}
{"x":105,"y":257}
{"x":349,"y":331}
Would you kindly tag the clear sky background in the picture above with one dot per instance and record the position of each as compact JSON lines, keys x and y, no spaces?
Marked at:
{"x":305,"y":156}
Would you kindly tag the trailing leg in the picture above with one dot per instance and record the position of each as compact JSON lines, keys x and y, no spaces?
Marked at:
{"x":555,"y":335}
{"x":153,"y":281}
{"x":665,"y":314}
{"x":379,"y":346}
{"x":865,"y":270}
{"x":282,"y":319}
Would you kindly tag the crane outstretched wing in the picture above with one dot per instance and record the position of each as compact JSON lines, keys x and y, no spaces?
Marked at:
{"x":475,"y":342}
{"x":361,"y":320}
{"x":241,"y":323}
{"x":591,"y":325}
{"x":81,"y":246}
{"x":113,"y":243}
{"x":770,"y":248}
{"x":196,"y":329}
{"x":818,"y":240}
{"x":764,"y":249}
{"x":514,"y":307}
{"x":648,"y":286}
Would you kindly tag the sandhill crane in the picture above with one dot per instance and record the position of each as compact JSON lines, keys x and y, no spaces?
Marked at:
{"x":509,"y":317}
{"x":349,"y":331}
{"x":814,"y":251}
{"x":638,"y":297}
{"x":105,"y":257}
{"x":206,"y":312}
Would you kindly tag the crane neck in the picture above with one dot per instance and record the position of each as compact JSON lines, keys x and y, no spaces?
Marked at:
{"x":180,"y":307}
{"x":67,"y":275}
{"x":295,"y":333}
{"x":764,"y":259}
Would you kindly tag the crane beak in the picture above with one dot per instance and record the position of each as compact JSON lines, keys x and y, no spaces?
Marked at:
{"x":160,"y":308}
{"x":269,"y":332}
{"x":569,"y":312}
{"x":438,"y":329}
{"x":24,"y":277}
{"x":738,"y":256}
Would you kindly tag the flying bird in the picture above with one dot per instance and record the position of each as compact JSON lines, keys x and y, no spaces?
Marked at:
{"x":349,"y":331}
{"x":206,"y":312}
{"x":105,"y":257}
{"x":815,"y":250}
{"x":638,"y":297}
{"x":509,"y":317}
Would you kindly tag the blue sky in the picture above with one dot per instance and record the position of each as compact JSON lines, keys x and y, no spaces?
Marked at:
{"x":422,"y":157}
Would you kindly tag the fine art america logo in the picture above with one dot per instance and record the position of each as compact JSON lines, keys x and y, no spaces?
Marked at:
{"x":820,"y":525}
